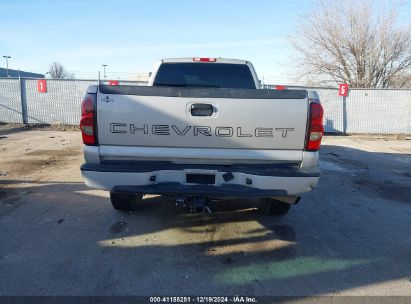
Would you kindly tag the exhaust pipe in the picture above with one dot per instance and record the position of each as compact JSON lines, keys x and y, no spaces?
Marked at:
{"x":289,"y":199}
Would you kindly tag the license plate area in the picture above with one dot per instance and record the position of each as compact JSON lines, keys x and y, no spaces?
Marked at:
{"x":203,"y":179}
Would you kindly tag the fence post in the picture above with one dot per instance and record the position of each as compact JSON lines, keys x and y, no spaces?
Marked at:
{"x":23,"y":100}
{"x":344,"y":114}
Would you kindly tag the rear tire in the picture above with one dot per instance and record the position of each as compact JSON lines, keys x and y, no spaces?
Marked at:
{"x":126,"y":201}
{"x":273,"y":207}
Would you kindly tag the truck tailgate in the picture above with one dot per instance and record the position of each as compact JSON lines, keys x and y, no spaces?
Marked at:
{"x":173,"y":118}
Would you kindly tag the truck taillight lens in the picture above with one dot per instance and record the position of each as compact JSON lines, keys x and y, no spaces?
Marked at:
{"x":315,"y":127}
{"x":87,"y":122}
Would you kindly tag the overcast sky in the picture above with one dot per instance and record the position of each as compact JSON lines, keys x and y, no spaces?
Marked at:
{"x":130,"y":36}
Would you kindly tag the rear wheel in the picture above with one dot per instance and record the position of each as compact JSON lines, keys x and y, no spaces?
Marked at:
{"x":273,"y":207}
{"x":126,"y":201}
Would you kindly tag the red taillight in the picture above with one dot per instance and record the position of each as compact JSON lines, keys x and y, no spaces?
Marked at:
{"x":315,"y":127}
{"x":280,"y":87}
{"x":87,"y":106}
{"x":87,"y":122}
{"x":205,"y":59}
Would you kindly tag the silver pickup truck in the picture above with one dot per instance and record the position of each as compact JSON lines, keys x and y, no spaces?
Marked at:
{"x":203,"y":129}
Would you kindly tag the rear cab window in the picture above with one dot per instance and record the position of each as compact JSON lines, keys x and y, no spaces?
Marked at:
{"x":205,"y":75}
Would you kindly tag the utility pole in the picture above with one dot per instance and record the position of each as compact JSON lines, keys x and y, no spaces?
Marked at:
{"x":7,"y":64}
{"x":104,"y":73}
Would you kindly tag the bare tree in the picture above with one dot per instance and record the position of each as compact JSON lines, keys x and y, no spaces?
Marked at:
{"x":57,"y":71}
{"x":354,"y":42}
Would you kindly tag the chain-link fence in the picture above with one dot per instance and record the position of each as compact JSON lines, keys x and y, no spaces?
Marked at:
{"x":379,"y":111}
{"x":10,"y":101}
{"x":373,"y":111}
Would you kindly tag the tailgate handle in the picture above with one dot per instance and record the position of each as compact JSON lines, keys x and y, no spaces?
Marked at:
{"x":201,"y":109}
